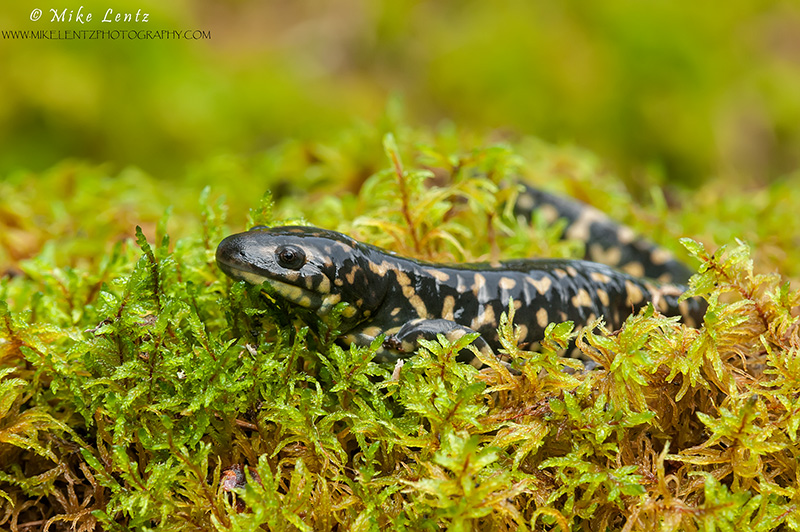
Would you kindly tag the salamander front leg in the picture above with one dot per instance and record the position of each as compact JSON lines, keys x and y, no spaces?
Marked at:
{"x":406,"y":340}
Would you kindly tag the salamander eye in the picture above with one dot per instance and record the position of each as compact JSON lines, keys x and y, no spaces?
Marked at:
{"x":291,"y":257}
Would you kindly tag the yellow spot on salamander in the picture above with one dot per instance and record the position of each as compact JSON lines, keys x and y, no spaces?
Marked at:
{"x":324,"y":285}
{"x":349,"y":339}
{"x":625,"y":235}
{"x":542,"y":318}
{"x":527,"y":202}
{"x":542,"y":285}
{"x":635,"y":295}
{"x":634,"y":268}
{"x":419,"y":305}
{"x":549,"y":213}
{"x":660,"y":256}
{"x":602,"y":295}
{"x":581,"y":299}
{"x":381,"y":268}
{"x":447,"y":308}
{"x":600,"y":277}
{"x":403,"y":279}
{"x":560,"y":273}
{"x":293,"y":293}
{"x":328,"y":302}
{"x":251,"y":278}
{"x":572,"y":271}
{"x":611,"y":256}
{"x":344,"y":248}
{"x":485,"y":317}
{"x":581,"y":228}
{"x":461,"y":283}
{"x":507,"y":283}
{"x":455,"y":334}
{"x":479,"y":282}
{"x":372,"y":331}
{"x":438,"y":275}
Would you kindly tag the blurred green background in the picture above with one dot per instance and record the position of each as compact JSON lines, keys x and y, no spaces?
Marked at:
{"x":678,"y":91}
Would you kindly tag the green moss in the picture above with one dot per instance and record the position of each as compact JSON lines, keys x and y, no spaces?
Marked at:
{"x":135,"y":374}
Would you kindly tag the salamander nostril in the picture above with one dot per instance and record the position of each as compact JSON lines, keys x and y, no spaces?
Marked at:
{"x":230,"y":250}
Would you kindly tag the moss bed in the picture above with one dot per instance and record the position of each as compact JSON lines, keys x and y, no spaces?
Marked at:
{"x":136,"y":380}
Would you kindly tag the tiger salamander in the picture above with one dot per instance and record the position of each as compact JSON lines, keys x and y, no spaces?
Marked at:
{"x":407,"y":299}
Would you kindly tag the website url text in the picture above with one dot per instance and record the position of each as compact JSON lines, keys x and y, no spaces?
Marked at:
{"x":131,"y":35}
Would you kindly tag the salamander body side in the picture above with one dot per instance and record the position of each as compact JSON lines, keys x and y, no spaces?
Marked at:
{"x":607,"y":241}
{"x":406,"y":299}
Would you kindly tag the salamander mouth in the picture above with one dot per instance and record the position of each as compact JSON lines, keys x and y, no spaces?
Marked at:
{"x":296,"y":294}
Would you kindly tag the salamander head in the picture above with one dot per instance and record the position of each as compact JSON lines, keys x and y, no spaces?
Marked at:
{"x":312,"y":268}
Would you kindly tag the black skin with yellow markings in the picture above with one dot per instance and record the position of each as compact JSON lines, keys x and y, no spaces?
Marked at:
{"x":606,"y":241}
{"x":406,"y":299}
